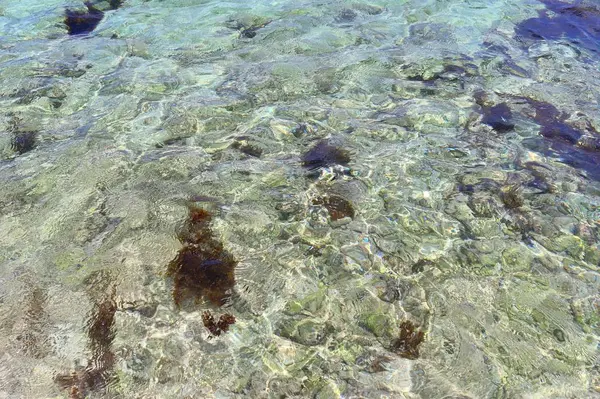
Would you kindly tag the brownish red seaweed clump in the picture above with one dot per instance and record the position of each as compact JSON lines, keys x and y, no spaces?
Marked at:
{"x":216,"y":328}
{"x":202,"y":268}
{"x":96,"y":375}
{"x":337,"y":207}
{"x":407,"y":344}
{"x":33,"y":339}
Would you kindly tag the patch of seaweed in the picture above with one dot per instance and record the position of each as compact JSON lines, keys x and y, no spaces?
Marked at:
{"x":96,"y":375}
{"x":202,"y":268}
{"x":32,"y":339}
{"x":407,"y":344}
{"x":337,"y":207}
{"x":22,"y":140}
{"x":83,"y":22}
{"x":511,"y":196}
{"x":217,"y":328}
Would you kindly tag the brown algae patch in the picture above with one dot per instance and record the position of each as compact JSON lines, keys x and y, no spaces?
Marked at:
{"x":337,"y":207}
{"x":96,"y":375}
{"x":202,"y":269}
{"x":33,"y":340}
{"x":511,"y":196}
{"x":219,"y":327}
{"x":407,"y":344}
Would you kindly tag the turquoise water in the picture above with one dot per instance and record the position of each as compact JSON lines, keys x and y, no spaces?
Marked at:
{"x":393,"y":199}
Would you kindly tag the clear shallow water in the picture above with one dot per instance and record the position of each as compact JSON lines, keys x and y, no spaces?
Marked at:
{"x":471,"y":132}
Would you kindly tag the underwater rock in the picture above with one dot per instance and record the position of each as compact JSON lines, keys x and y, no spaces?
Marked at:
{"x":219,"y":327}
{"x":83,"y":22}
{"x":346,"y":15}
{"x":420,"y":265}
{"x":251,"y":31}
{"x":337,"y":207}
{"x":311,"y":332}
{"x":407,"y":344}
{"x":303,"y":129}
{"x":114,"y":4}
{"x":423,"y":34}
{"x":368,"y":9}
{"x":378,"y":324}
{"x":248,"y":148}
{"x":498,"y":116}
{"x":553,"y":122}
{"x":567,"y":154}
{"x":304,"y":331}
{"x":202,"y":268}
{"x":324,"y":154}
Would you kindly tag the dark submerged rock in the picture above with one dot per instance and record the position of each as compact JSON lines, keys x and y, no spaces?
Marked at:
{"x":83,"y":22}
{"x":22,"y":142}
{"x":561,"y":140}
{"x":498,"y":118}
{"x":346,"y":15}
{"x":324,"y":154}
{"x":114,"y":4}
{"x":578,"y":23}
{"x":202,"y":268}
{"x":250,"y":32}
{"x":420,"y":265}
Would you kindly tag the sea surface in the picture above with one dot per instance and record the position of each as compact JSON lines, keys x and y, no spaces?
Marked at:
{"x":299,"y":199}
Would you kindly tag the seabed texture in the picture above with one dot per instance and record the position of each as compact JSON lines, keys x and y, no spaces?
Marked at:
{"x":299,"y":199}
